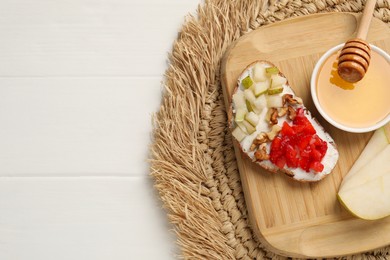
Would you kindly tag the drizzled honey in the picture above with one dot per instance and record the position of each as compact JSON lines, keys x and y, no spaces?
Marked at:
{"x":360,"y":104}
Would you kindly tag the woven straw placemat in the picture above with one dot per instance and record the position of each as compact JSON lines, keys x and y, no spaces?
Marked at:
{"x":193,"y":164}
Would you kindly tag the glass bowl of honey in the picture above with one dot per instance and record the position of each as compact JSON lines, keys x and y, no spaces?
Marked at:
{"x":358,"y":107}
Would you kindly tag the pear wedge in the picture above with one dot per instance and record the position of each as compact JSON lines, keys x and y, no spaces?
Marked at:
{"x":377,"y":143}
{"x":365,"y":191}
{"x":369,"y":200}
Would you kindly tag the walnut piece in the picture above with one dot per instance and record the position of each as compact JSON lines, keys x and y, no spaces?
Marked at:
{"x":253,"y":146}
{"x":274,"y":117}
{"x":282,"y":111}
{"x":288,"y":98}
{"x":261,"y":138}
{"x":269,"y":113}
{"x":291,"y":113}
{"x":299,"y":100}
{"x":261,"y":153}
{"x":274,"y":132}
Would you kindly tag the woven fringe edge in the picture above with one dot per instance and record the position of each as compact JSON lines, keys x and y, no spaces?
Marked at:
{"x":195,"y":176}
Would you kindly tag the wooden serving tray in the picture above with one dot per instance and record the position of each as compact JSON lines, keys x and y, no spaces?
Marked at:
{"x":302,"y":219}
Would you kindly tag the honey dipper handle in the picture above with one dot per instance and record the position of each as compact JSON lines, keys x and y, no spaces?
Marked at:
{"x":366,"y":19}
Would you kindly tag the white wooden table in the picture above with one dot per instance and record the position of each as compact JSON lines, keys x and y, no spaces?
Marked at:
{"x":79,"y":80}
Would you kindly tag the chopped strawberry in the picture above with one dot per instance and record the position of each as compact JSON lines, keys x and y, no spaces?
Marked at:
{"x":300,"y":118}
{"x":320,"y":145}
{"x":316,"y":140}
{"x":315,"y":155}
{"x":304,"y":163}
{"x":298,"y":145}
{"x":305,"y":153}
{"x":298,"y":128}
{"x":304,"y":142}
{"x":291,"y":156}
{"x":281,"y":162}
{"x":276,"y":143}
{"x":287,"y":129}
{"x":309,"y":129}
{"x":317,"y":166}
{"x":276,"y":150}
{"x":323,"y":148}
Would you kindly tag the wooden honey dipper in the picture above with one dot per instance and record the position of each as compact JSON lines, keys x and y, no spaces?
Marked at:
{"x":355,"y":56}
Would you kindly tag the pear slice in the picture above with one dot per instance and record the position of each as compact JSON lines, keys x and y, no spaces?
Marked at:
{"x":261,"y":102}
{"x":375,"y":167}
{"x":240,"y":114}
{"x":252,"y":118}
{"x":239,"y":134}
{"x":259,"y":73}
{"x":370,"y":200}
{"x":271,"y":71}
{"x":365,"y":190}
{"x":249,"y":128}
{"x":275,"y":90}
{"x":277,"y":80}
{"x":249,"y":106}
{"x":247,"y":82}
{"x":386,"y":128}
{"x":367,"y":193}
{"x":239,"y":100}
{"x":261,"y":88}
{"x":242,"y":127}
{"x":249,"y":95}
{"x":377,"y":143}
{"x":275,"y":101}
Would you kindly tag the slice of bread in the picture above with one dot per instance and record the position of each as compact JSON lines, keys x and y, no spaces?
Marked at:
{"x":252,"y":127}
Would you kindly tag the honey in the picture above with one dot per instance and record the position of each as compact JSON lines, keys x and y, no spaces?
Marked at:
{"x":360,"y":104}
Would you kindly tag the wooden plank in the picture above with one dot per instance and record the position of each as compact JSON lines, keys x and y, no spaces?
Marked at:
{"x":302,"y":219}
{"x":88,"y":38}
{"x":82,"y":218}
{"x":80,"y":126}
